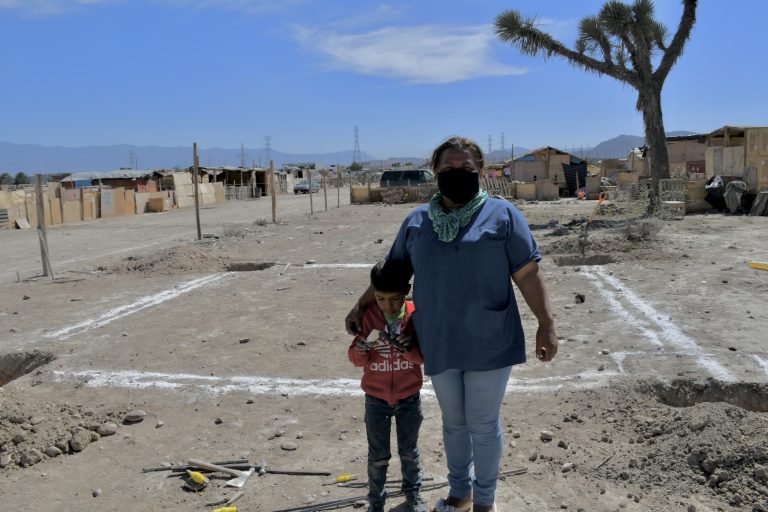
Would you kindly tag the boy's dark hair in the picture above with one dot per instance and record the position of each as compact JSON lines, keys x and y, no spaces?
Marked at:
{"x":391,"y":276}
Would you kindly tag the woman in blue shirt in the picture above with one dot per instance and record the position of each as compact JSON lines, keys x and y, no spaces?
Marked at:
{"x":463,"y":248}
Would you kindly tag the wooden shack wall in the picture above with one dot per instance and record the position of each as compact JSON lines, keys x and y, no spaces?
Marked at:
{"x":756,"y":155}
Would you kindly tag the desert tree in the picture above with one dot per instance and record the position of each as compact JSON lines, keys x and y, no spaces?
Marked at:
{"x":623,"y":41}
{"x":21,"y":179}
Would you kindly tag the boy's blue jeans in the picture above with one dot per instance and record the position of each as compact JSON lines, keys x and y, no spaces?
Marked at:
{"x":471,"y":406}
{"x":378,"y":425}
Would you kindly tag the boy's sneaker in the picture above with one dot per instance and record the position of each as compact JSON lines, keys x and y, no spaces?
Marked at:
{"x":415,"y":503}
{"x":375,"y":508}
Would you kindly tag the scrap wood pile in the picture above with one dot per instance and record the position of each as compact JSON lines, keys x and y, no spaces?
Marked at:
{"x":498,"y":186}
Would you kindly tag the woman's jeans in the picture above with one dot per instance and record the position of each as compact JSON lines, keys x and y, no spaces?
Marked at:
{"x":378,"y":425}
{"x":471,"y":405}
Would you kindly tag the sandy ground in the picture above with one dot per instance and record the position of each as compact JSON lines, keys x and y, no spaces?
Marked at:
{"x":234,"y":346}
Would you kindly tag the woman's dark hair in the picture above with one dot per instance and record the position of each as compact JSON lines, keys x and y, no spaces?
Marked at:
{"x":391,"y":276}
{"x":462,"y":144}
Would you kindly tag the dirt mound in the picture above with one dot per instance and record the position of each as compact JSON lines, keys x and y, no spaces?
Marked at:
{"x":600,"y":242}
{"x":710,"y":447}
{"x":177,"y":260}
{"x":31,"y":433}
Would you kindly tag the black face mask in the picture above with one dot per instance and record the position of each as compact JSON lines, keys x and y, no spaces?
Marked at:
{"x":458,"y":185}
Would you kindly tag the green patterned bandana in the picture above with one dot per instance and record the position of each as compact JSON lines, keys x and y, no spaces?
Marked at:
{"x":447,"y":225}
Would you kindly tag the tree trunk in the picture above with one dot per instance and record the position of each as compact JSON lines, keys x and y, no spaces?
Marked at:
{"x":649,"y":102}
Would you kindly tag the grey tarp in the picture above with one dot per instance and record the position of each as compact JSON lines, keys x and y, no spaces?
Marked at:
{"x":733,"y":192}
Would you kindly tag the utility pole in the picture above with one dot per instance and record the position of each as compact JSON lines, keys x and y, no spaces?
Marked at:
{"x":356,"y":154}
{"x":490,"y":146}
{"x":502,"y":147}
{"x":243,"y":156}
{"x":268,"y":147}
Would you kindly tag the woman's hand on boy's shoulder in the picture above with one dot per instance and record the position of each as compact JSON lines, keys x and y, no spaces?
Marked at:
{"x":354,"y":320}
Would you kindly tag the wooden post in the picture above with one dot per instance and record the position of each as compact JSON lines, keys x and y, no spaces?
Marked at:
{"x":101,"y":199}
{"x":273,"y":190}
{"x":325,"y":191}
{"x":195,"y":177}
{"x":368,"y":175}
{"x":41,"y":224}
{"x":61,"y":202}
{"x":311,"y":204}
{"x":338,"y":187}
{"x":350,"y":187}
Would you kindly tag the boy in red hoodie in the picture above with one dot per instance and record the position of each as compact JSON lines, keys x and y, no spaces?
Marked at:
{"x":392,"y":378}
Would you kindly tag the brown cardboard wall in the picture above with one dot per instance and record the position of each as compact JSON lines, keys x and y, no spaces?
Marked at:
{"x":526,"y":191}
{"x":129,"y":203}
{"x":547,"y":191}
{"x":525,"y":171}
{"x":71,"y":212}
{"x":55,"y":210}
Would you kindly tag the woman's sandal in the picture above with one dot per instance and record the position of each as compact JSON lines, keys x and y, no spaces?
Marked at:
{"x":451,"y":504}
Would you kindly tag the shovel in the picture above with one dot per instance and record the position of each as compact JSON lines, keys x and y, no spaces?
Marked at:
{"x":240,"y":476}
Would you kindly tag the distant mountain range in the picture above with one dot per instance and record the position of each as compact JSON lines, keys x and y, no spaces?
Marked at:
{"x":33,"y":158}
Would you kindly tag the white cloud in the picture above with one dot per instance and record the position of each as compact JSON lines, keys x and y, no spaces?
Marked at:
{"x":422,"y":54}
{"x":559,"y":29}
{"x":45,"y":7}
{"x":48,"y":7}
{"x":246,"y":6}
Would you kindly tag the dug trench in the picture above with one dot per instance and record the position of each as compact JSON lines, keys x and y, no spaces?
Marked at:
{"x":13,"y":366}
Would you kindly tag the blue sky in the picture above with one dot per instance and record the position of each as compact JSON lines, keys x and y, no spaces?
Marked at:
{"x":306,"y":72}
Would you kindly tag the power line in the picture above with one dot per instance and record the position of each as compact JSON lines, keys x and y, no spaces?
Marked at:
{"x":490,"y":145}
{"x":243,"y":156}
{"x":356,"y":155}
{"x":268,"y":147}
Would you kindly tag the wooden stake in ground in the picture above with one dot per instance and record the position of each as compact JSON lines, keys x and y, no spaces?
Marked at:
{"x":325,"y":191}
{"x":338,"y":187}
{"x":61,"y":202}
{"x":273,"y":190}
{"x":368,"y":175}
{"x":41,"y":224}
{"x":196,"y":177}
{"x":311,"y":205}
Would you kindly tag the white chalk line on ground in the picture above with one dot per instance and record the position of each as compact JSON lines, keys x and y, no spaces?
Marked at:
{"x":129,"y":309}
{"x":337,"y":265}
{"x":670,"y":332}
{"x":761,"y":362}
{"x":611,"y":297}
{"x":261,"y":385}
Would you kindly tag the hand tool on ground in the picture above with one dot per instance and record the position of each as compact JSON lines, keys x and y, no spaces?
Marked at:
{"x":240,"y":476}
{"x":262,"y":470}
{"x":184,"y":467}
{"x":339,"y":479}
{"x":226,"y":501}
{"x":758,"y":265}
{"x":225,"y":509}
{"x":244,"y":466}
{"x":195,"y":481}
{"x":390,"y":483}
